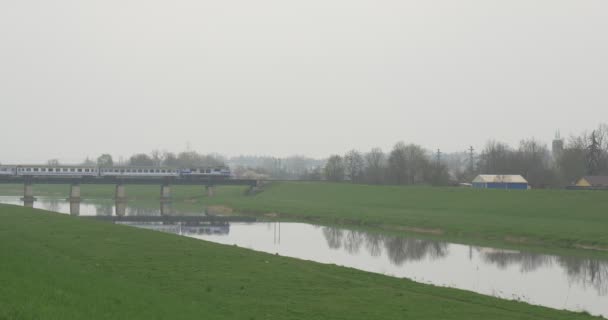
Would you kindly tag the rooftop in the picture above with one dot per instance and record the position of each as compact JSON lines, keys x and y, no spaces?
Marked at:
{"x":499,"y":178}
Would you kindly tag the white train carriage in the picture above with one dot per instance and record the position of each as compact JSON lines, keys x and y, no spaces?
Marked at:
{"x":8,"y":170}
{"x":216,"y":171}
{"x":68,"y":171}
{"x":123,"y":171}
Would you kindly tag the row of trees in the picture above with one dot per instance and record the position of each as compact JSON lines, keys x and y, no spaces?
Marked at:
{"x":406,"y":164}
{"x":183,"y":159}
{"x":585,"y":154}
{"x":410,"y":164}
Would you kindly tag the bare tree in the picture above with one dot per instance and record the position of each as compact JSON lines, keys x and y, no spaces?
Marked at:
{"x":141,"y":159}
{"x":408,"y":164}
{"x":354,"y":166}
{"x":105,"y":160}
{"x":170,"y":159}
{"x":571,"y":161}
{"x":334,"y":168}
{"x":593,"y":156}
{"x":532,"y":161}
{"x":375,"y":166}
{"x":496,"y":158}
{"x":158,"y":157}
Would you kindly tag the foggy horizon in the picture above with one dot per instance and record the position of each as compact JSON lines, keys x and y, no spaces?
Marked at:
{"x":283,"y":78}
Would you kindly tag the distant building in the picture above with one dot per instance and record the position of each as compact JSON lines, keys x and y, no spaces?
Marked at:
{"x":500,"y":181}
{"x":593,"y":182}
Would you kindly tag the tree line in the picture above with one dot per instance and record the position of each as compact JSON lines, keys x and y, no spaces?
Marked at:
{"x":410,"y":164}
{"x":184,"y":159}
{"x":561,"y":164}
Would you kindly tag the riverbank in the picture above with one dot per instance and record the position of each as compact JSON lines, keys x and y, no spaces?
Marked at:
{"x":61,"y":267}
{"x":546,"y":218}
{"x":558,"y":219}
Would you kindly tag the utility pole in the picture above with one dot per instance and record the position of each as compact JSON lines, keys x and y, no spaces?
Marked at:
{"x":471,"y":159}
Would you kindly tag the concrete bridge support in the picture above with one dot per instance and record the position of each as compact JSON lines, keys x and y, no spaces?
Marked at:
{"x":210,"y":191}
{"x":75,"y":208}
{"x":74,"y":193}
{"x":120,"y":194}
{"x":254,"y":189}
{"x":165,"y":208}
{"x":28,"y":203}
{"x":28,"y":195}
{"x":165,"y":192}
{"x":121,"y":208}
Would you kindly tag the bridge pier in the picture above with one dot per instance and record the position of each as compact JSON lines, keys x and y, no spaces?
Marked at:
{"x":165,"y":208}
{"x":28,"y":203}
{"x":74,"y":193}
{"x":165,"y":192}
{"x":28,"y":195}
{"x":210,"y":191}
{"x":120,"y":193}
{"x":74,"y":208}
{"x":121,"y":208}
{"x":255,"y":188}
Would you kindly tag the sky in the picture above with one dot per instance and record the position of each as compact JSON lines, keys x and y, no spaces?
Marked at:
{"x":282,"y":77}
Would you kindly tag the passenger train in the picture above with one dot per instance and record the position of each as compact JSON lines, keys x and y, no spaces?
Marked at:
{"x":114,"y":171}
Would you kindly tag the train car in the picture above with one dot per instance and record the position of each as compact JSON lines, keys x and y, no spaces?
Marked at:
{"x":8,"y":170}
{"x":114,"y":171}
{"x":209,"y":171}
{"x":59,"y":170}
{"x":139,"y":171}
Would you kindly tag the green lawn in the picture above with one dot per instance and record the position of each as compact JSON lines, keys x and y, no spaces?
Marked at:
{"x":55,"y":266}
{"x":547,"y":218}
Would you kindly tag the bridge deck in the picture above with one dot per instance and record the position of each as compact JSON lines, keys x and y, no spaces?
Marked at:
{"x":129,"y":180}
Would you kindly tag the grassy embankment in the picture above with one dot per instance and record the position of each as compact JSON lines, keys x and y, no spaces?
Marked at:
{"x":549,"y":218}
{"x":60,"y":267}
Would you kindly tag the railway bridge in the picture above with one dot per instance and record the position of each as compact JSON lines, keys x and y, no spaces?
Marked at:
{"x":165,"y":183}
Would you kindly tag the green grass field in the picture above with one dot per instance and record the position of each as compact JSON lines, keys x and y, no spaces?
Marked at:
{"x":55,"y":266}
{"x":546,"y":218}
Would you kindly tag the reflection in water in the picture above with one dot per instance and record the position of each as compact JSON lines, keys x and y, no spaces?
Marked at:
{"x":592,"y":273}
{"x":503,"y":258}
{"x":399,"y":249}
{"x":588,"y":272}
{"x":104,"y":209}
{"x":334,"y":237}
{"x":51,"y":205}
{"x":186,"y":229}
{"x":373,"y":243}
{"x":140,"y":211}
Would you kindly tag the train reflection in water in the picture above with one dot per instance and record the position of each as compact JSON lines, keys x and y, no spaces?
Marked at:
{"x":183,"y":228}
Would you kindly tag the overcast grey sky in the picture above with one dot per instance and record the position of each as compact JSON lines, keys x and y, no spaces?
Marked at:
{"x":281,"y":77}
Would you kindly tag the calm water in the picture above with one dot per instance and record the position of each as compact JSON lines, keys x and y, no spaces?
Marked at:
{"x":559,"y":282}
